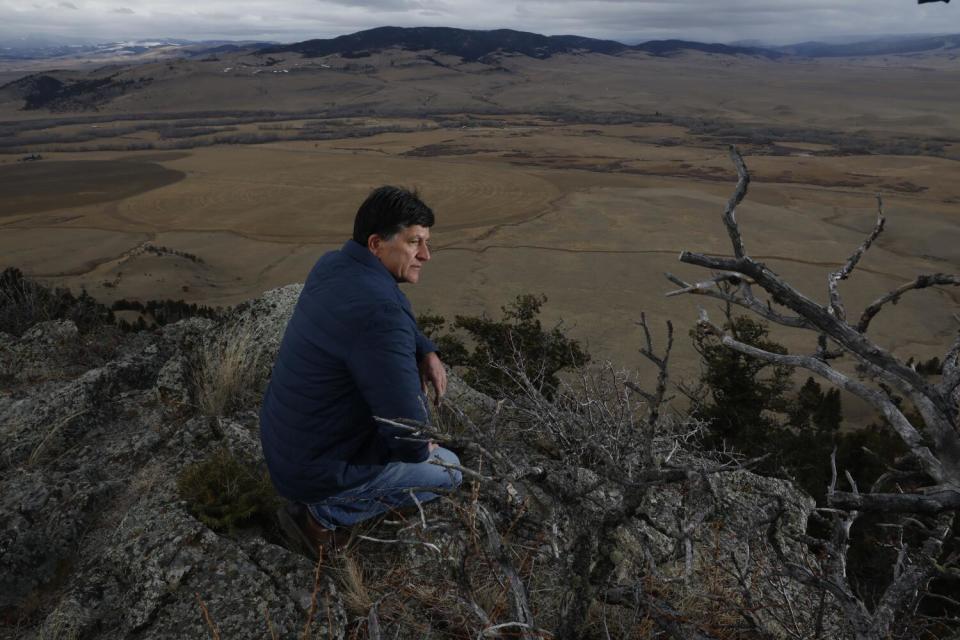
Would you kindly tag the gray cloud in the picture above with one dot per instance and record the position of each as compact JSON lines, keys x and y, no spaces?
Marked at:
{"x":68,"y":5}
{"x":777,"y":21}
{"x":391,"y":5}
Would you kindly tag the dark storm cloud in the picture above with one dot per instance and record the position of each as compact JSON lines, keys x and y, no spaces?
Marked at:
{"x":626,"y":20}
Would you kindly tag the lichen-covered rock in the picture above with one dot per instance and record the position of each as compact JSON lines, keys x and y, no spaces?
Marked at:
{"x":42,"y":514}
{"x":40,"y":353}
{"x":187,"y":332}
{"x":173,"y":381}
{"x":94,"y":539}
{"x":50,"y":334}
{"x":265,"y":319}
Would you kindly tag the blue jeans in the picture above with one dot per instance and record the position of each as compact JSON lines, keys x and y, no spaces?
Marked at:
{"x":389,"y":490}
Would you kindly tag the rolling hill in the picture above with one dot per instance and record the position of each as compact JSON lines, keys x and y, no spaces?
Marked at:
{"x":476,"y":45}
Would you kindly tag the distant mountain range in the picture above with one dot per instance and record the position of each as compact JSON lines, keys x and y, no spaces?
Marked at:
{"x":876,"y":47}
{"x":476,"y":45}
{"x":468,"y":44}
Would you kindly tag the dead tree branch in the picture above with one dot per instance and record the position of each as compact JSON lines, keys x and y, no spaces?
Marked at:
{"x":921,"y":282}
{"x":930,"y":503}
{"x":739,"y":193}
{"x":907,"y":432}
{"x":934,"y":443}
{"x":836,"y":304}
{"x":521,"y":605}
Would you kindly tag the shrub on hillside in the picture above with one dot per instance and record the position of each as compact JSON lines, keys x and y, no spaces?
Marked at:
{"x":24,"y":302}
{"x":227,"y":492}
{"x":162,"y":312}
{"x":502,"y":349}
{"x":750,"y":406}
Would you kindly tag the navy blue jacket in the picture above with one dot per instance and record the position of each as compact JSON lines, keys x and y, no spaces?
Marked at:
{"x":350,"y":352}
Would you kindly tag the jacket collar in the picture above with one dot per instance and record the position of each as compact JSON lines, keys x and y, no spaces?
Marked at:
{"x":362,"y":255}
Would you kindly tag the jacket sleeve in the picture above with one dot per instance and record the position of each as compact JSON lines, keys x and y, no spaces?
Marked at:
{"x":384,"y":366}
{"x":424,"y":345}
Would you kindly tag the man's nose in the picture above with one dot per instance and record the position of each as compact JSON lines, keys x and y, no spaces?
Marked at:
{"x":424,"y":253}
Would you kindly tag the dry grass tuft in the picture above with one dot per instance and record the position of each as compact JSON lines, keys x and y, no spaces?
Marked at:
{"x":356,"y":596}
{"x":64,"y":623}
{"x":229,"y":371}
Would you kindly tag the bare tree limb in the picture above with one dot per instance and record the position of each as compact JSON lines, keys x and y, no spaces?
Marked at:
{"x":951,"y":370}
{"x":656,"y":399}
{"x":933,"y":438}
{"x":940,"y":412}
{"x":730,"y":213}
{"x":496,"y":631}
{"x":521,"y":605}
{"x":913,"y":577}
{"x":820,"y":318}
{"x":703,"y":286}
{"x":708,"y":288}
{"x":823,"y":352}
{"x":373,"y":622}
{"x":930,"y":503}
{"x":836,"y":304}
{"x":921,"y":282}
{"x":907,"y":432}
{"x":855,"y":611}
{"x":672,"y":622}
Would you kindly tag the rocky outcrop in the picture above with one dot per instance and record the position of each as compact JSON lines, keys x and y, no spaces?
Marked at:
{"x":97,"y":542}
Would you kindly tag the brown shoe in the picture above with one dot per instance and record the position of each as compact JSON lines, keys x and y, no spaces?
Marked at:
{"x":320,"y":536}
{"x":306,"y":535}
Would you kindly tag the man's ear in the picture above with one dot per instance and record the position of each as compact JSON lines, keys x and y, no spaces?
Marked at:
{"x":374,"y":242}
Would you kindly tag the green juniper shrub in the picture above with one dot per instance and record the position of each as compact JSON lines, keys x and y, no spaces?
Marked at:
{"x":501,"y":348}
{"x":812,"y":431}
{"x":931,"y":367}
{"x":163,"y":312}
{"x":743,"y":394}
{"x":750,"y":407}
{"x":227,"y":492}
{"x":452,"y":348}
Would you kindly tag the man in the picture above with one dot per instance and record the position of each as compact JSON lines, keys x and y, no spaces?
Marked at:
{"x":352,"y":351}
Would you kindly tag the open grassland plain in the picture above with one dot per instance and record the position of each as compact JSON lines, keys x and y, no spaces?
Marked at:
{"x":578,"y":177}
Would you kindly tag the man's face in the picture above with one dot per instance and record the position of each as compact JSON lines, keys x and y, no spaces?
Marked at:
{"x":404,"y":254}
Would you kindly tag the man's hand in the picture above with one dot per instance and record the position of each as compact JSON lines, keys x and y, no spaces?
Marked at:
{"x":433,"y":372}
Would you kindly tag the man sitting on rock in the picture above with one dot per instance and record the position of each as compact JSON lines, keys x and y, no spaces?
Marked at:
{"x":352,"y":351}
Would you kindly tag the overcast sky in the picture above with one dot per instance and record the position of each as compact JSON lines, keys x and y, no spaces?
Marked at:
{"x":775,"y":21}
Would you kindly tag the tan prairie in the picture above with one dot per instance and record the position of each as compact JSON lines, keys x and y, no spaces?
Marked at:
{"x":895,"y":93}
{"x":591,"y":215}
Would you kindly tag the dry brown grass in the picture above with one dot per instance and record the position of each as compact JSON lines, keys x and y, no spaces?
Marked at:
{"x":63,"y":623}
{"x":228,"y":371}
{"x":356,"y":596}
{"x":590,"y":240}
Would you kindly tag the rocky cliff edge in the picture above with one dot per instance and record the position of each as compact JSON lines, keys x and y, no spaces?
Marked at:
{"x":98,"y":541}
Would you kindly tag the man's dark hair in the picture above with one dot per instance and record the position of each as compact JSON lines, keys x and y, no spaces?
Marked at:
{"x":387,"y":210}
